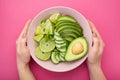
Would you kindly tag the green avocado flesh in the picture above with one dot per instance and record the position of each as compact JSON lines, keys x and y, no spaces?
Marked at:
{"x":66,"y":17}
{"x":70,"y":56}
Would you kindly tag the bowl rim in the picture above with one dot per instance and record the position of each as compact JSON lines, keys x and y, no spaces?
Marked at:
{"x":85,"y":57}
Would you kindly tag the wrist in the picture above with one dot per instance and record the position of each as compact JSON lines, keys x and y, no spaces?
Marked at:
{"x":21,"y":65}
{"x":94,"y":67}
{"x":95,"y":72}
{"x":94,"y":64}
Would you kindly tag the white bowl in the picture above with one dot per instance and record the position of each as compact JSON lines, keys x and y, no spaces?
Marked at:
{"x":63,"y":66}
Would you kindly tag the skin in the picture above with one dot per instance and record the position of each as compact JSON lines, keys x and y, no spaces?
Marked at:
{"x":23,"y":55}
{"x":93,"y":61}
{"x":95,"y":54}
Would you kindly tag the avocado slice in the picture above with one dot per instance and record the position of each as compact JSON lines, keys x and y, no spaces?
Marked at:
{"x":66,"y":23}
{"x":77,"y":49}
{"x":67,"y":34}
{"x":69,"y":30}
{"x":66,"y":17}
{"x":69,"y":38}
{"x":63,"y":21}
{"x":68,"y":26}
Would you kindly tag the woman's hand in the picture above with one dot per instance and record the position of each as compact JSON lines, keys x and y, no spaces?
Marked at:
{"x":95,"y":54}
{"x":96,"y":51}
{"x":23,"y":55}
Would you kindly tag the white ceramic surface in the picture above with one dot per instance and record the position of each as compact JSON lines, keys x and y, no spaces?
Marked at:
{"x":63,"y":66}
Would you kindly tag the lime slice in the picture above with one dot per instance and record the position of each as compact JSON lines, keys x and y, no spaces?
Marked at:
{"x":49,"y":28}
{"x":47,"y":44}
{"x":37,"y":38}
{"x":40,"y":29}
{"x":54,"y":17}
{"x":42,"y":55}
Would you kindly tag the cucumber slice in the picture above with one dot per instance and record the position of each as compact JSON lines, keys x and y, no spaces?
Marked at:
{"x":47,"y":44}
{"x":60,"y":45}
{"x":66,"y":17}
{"x":57,"y":37}
{"x":59,"y":41}
{"x":57,"y":58}
{"x":56,"y":33}
{"x":61,"y":54}
{"x":53,"y":58}
{"x":61,"y":58}
{"x":62,"y":49}
{"x":41,"y":55}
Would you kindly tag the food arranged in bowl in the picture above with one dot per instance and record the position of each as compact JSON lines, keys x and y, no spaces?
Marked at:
{"x":61,"y":43}
{"x":60,"y":38}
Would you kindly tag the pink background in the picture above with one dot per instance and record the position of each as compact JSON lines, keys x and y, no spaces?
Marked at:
{"x":104,"y":13}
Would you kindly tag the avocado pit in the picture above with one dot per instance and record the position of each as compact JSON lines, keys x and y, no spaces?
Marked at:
{"x":77,"y":48}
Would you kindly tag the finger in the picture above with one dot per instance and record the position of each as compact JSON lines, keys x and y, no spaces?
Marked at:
{"x":90,"y":26}
{"x":94,"y":30}
{"x":25,"y":29}
{"x":23,"y":42}
{"x":95,"y":42}
{"x":101,"y":48}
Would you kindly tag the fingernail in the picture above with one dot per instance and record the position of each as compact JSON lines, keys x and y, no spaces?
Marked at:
{"x":92,"y":43}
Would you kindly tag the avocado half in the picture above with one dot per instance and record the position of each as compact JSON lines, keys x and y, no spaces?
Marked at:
{"x":70,"y":56}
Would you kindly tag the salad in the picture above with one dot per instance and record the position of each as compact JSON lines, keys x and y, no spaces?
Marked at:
{"x":60,"y":38}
